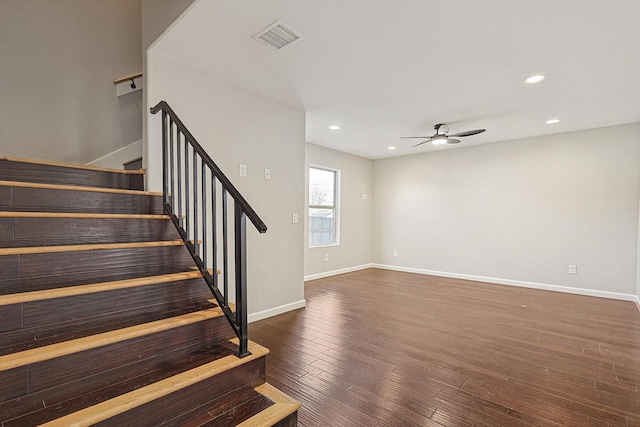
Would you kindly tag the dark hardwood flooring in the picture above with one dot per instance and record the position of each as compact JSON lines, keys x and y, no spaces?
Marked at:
{"x":383,"y":348}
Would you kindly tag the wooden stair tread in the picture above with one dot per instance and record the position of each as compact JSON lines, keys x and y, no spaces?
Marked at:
{"x":283,"y":407}
{"x":41,"y":337}
{"x":89,"y":247}
{"x":109,"y":408}
{"x":72,"y":165}
{"x":40,"y":354}
{"x":95,"y":287}
{"x":20,"y":214}
{"x":39,"y":407}
{"x":75,"y":188}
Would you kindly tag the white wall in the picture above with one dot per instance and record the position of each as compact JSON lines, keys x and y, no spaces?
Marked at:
{"x":58,"y":62}
{"x":237,"y":126}
{"x":518,"y":211}
{"x":356,"y":215}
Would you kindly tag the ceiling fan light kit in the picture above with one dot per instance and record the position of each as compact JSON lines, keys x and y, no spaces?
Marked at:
{"x":441,"y":137}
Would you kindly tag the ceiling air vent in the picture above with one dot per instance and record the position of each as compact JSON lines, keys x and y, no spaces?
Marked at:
{"x":277,"y":35}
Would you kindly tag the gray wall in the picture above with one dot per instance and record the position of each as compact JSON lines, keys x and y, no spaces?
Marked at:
{"x":58,"y":62}
{"x":237,"y":126}
{"x":518,"y":212}
{"x":356,"y":214}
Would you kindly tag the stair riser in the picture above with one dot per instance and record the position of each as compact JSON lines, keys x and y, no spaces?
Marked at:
{"x":32,"y":199}
{"x":28,"y":272}
{"x":290,"y":421}
{"x":156,"y":412}
{"x":33,"y":320}
{"x":28,"y":232}
{"x":51,"y":174}
{"x":80,"y":367}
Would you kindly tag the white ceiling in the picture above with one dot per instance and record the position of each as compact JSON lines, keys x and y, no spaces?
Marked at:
{"x":382,"y":69}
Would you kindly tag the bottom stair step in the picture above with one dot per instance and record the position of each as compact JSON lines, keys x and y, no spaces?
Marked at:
{"x":167,"y":399}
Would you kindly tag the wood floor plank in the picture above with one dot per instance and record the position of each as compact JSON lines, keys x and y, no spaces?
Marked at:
{"x":435,"y":351}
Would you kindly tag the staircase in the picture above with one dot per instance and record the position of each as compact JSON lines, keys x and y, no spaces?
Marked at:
{"x":105,"y":318}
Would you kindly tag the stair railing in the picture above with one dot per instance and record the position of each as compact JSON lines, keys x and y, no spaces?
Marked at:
{"x":191,"y":184}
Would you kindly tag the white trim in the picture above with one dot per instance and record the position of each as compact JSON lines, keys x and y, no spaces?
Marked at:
{"x":276,"y":310}
{"x":543,"y":286}
{"x":129,"y":152}
{"x":638,"y":303}
{"x":336,"y":272}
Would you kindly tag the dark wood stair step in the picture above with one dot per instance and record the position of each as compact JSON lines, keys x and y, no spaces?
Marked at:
{"x":141,"y":347}
{"x":55,"y":313}
{"x":38,"y":197}
{"x":65,"y":399}
{"x":261,"y":406}
{"x":22,"y":229}
{"x":28,"y":170}
{"x":38,"y":268}
{"x":157,"y":402}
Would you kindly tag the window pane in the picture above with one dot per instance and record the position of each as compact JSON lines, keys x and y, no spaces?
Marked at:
{"x":321,"y":187}
{"x":321,"y":226}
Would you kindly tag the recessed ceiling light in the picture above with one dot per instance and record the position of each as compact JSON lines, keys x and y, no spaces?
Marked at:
{"x":334,"y":127}
{"x":391,"y":148}
{"x":552,"y":121}
{"x":534,"y":80}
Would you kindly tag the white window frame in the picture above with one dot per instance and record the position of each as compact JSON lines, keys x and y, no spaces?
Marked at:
{"x":336,"y":205}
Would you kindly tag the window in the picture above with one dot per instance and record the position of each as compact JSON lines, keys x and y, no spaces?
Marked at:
{"x":323,"y":206}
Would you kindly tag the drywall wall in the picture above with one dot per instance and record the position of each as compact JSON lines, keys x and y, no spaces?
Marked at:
{"x":237,"y":126}
{"x":157,"y":16}
{"x":356,"y":214}
{"x":59,"y":60}
{"x":519,"y":212}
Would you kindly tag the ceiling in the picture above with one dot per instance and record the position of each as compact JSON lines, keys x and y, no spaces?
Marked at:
{"x":382,"y":69}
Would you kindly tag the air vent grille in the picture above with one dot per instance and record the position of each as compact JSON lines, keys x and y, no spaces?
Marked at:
{"x":278,"y":35}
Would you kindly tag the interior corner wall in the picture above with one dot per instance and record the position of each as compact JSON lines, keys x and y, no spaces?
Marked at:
{"x":356,"y":214}
{"x":58,"y":63}
{"x":236,"y":127}
{"x":517,"y":212}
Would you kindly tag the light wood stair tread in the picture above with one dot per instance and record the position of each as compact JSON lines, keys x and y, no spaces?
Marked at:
{"x":95,"y":287}
{"x":19,"y":214}
{"x":64,"y":348}
{"x":109,"y":408}
{"x":88,"y":247}
{"x":283,"y":407}
{"x":72,"y":165}
{"x":76,"y":188}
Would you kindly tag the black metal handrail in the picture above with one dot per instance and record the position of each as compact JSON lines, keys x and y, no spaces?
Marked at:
{"x":190,"y":181}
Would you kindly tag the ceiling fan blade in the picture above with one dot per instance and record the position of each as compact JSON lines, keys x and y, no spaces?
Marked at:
{"x":423,"y":142}
{"x":452,"y":141}
{"x":469,"y":133}
{"x":416,"y":137}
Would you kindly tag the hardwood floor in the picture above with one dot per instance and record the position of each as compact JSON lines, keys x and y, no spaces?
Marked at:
{"x":383,"y":348}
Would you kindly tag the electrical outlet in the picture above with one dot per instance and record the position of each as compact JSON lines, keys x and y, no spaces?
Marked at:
{"x":294,"y":217}
{"x":267,"y":174}
{"x":326,"y":257}
{"x":365,"y":196}
{"x":395,"y":252}
{"x":573,"y":269}
{"x":243,"y":170}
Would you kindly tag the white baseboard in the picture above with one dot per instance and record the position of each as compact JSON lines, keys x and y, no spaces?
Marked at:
{"x":336,"y":272}
{"x":276,"y":310}
{"x":638,"y":303}
{"x":543,"y":286}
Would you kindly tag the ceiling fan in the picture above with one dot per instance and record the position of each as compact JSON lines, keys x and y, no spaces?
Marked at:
{"x":441,"y":137}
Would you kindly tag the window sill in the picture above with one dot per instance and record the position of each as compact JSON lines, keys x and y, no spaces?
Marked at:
{"x":328,"y":245}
